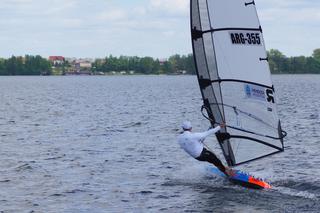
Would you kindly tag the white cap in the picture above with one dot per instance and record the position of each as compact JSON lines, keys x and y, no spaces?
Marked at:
{"x":186,"y":125}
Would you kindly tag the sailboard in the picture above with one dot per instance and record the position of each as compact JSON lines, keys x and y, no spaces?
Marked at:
{"x":242,"y":179}
{"x":234,"y":77}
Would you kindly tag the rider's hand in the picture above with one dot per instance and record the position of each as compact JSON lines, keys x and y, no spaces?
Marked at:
{"x":222,"y":125}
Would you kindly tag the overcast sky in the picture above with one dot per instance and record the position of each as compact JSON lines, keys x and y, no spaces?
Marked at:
{"x":157,"y":28}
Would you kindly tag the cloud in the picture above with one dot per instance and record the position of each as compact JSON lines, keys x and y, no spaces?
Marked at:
{"x":162,"y":16}
{"x":60,"y":6}
{"x":144,"y":27}
{"x":139,"y":11}
{"x":176,"y":7}
{"x":113,"y":15}
{"x":297,"y":11}
{"x":290,"y":25}
{"x":36,"y":7}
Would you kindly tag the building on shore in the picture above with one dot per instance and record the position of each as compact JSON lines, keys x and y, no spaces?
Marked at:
{"x":162,"y":61}
{"x":72,"y":66}
{"x":57,"y":60}
{"x":80,"y":66}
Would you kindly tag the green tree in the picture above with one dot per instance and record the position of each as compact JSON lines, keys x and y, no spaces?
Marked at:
{"x":316,"y":54}
{"x":2,"y":67}
{"x":28,"y":65}
{"x":156,"y":66}
{"x":134,"y":63}
{"x":190,"y":66}
{"x":277,"y":61}
{"x":167,"y":67}
{"x":14,"y":65}
{"x":146,"y":65}
{"x":298,"y":65}
{"x":312,"y":65}
{"x":175,"y":62}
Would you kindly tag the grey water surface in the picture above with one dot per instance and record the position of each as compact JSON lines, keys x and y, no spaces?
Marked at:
{"x":108,"y":144}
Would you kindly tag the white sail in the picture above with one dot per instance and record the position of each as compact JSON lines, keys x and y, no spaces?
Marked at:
{"x":234,"y":78}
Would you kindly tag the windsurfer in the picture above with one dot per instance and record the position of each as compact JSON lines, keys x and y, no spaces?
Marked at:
{"x":192,"y":143}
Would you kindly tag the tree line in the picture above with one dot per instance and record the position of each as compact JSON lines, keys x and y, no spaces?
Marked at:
{"x":146,"y":65}
{"x":28,"y":65}
{"x":279,"y":63}
{"x":176,"y":64}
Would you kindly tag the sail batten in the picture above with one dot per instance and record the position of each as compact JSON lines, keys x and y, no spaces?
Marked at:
{"x":197,"y":33}
{"x":234,"y":78}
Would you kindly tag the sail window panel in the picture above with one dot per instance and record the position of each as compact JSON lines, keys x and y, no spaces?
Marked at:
{"x":205,"y":21}
{"x":242,"y":62}
{"x":242,"y":121}
{"x":201,"y":61}
{"x":195,"y":19}
{"x":211,"y":92}
{"x":270,"y":143}
{"x":214,"y":90}
{"x":232,"y":13}
{"x":210,"y":54}
{"x":212,"y":68}
{"x":217,"y":111}
{"x":246,"y":150}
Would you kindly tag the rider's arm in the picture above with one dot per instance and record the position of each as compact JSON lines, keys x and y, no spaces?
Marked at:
{"x":203,"y":135}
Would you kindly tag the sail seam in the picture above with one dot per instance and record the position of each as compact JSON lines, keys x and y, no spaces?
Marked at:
{"x":242,"y":81}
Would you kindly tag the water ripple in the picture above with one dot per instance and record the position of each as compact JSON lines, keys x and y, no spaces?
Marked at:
{"x":108,"y":144}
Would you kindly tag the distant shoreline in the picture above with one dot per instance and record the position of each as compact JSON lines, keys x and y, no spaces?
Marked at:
{"x":134,"y":65}
{"x":137,"y":74}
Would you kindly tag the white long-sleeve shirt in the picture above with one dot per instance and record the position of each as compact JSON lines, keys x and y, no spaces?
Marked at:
{"x":192,"y":142}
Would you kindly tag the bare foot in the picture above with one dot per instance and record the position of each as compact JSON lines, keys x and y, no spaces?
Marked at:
{"x":230,"y":172}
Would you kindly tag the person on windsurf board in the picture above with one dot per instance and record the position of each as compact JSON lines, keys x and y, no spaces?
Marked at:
{"x":192,"y":143}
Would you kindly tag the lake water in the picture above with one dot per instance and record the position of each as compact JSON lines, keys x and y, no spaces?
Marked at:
{"x":108,"y":144}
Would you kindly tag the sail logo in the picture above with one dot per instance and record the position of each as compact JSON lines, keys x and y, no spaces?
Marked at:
{"x":270,"y":97}
{"x":255,"y":92}
{"x":248,"y":90}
